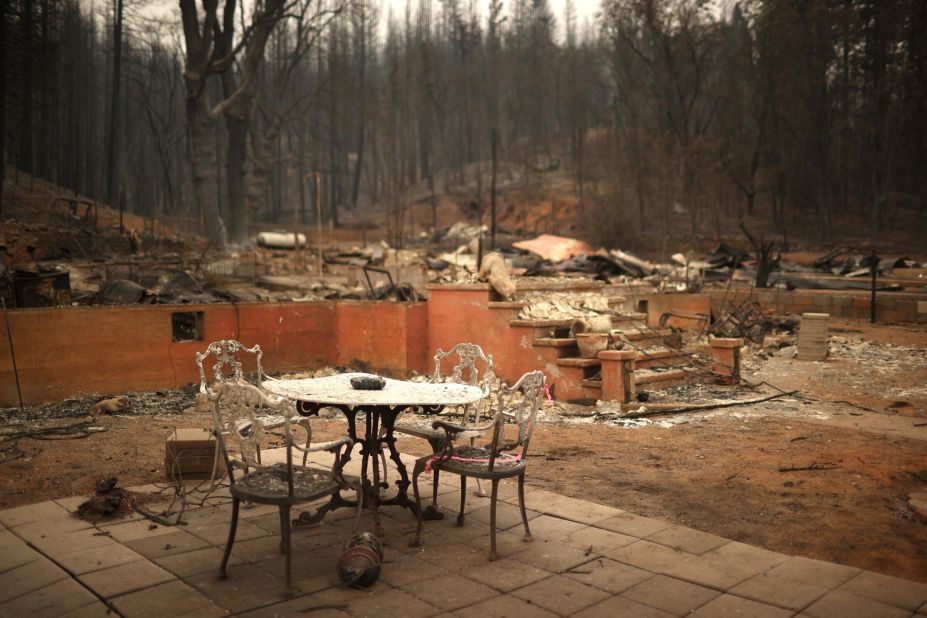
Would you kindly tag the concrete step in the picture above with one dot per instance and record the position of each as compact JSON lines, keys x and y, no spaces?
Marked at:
{"x":589,"y":366}
{"x":578,"y":362}
{"x":648,"y":379}
{"x":507,"y":308}
{"x":564,"y":346}
{"x":556,"y":342}
{"x":545,"y":329}
{"x":663,"y":358}
{"x":592,"y":388}
{"x":651,"y":337}
{"x":506,"y":304}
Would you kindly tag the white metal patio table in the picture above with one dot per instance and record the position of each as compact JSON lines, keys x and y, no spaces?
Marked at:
{"x":379,"y":407}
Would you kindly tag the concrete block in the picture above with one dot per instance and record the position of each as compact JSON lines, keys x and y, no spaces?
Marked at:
{"x":190,"y":453}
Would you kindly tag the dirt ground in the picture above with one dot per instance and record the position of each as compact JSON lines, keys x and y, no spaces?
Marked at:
{"x":718,"y":471}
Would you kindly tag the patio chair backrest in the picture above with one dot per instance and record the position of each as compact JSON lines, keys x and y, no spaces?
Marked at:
{"x":237,"y":409}
{"x":466,"y":370}
{"x":517,"y":404}
{"x":473,"y":367}
{"x":227,"y":366}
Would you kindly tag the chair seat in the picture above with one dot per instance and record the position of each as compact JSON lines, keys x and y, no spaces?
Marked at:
{"x":474,"y":461}
{"x":269,"y":485}
{"x":421,"y":427}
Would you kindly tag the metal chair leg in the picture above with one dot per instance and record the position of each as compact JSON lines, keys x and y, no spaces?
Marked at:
{"x":434,"y":490}
{"x":285,"y":540}
{"x":521,"y":505}
{"x":493,"y":554}
{"x":463,"y":500}
{"x":283,"y":525}
{"x":419,"y":468}
{"x":233,"y":527}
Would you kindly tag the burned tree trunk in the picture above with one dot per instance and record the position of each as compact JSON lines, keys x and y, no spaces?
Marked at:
{"x":765,"y":262}
{"x":199,"y":40}
{"x":205,"y":169}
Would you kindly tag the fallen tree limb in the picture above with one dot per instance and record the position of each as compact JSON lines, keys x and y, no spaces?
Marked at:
{"x":706,"y":406}
{"x":813,"y":466}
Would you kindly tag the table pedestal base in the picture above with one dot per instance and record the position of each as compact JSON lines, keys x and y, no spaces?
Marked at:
{"x":371,"y":448}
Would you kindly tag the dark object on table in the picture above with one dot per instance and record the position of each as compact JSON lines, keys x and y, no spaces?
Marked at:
{"x":359,"y":565}
{"x":368,"y":383}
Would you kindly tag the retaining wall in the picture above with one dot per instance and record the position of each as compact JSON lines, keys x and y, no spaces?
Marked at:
{"x":71,"y":351}
{"x":890,"y":306}
{"x":77,"y":350}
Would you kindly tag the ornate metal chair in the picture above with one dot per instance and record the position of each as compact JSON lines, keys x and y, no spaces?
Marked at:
{"x":228,"y":368}
{"x":503,"y":457}
{"x":466,"y":370}
{"x":234,"y":404}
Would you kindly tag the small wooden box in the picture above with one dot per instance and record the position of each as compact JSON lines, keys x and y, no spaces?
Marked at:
{"x":191,"y":454}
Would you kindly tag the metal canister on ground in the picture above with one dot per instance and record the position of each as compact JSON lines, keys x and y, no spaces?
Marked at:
{"x":359,"y":565}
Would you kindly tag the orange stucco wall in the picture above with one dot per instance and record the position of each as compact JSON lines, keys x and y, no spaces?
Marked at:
{"x":456,"y":315}
{"x":388,"y":337}
{"x":110,"y":350}
{"x":71,"y":351}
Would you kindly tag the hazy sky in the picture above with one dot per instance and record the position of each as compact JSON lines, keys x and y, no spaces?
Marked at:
{"x":585,"y":9}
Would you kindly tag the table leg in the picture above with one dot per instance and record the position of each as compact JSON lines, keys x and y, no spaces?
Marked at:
{"x":372,"y":450}
{"x":370,"y":446}
{"x":401,"y":498}
{"x":336,"y":501}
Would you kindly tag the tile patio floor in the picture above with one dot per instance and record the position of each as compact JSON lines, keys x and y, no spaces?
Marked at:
{"x":586,"y":560}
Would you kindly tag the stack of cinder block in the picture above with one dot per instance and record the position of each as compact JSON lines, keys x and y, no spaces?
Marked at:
{"x":812,"y":338}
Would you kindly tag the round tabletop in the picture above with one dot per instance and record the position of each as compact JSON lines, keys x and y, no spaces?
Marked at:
{"x":337,"y":389}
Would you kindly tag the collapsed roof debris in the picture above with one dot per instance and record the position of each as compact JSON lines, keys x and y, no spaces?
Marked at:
{"x":99,"y":265}
{"x":555,"y":248}
{"x":563,"y":306}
